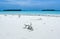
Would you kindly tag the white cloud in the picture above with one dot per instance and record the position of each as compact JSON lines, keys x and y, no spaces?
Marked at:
{"x":19,"y":2}
{"x":30,"y":2}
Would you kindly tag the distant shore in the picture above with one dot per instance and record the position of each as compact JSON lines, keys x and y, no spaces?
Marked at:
{"x":29,"y":10}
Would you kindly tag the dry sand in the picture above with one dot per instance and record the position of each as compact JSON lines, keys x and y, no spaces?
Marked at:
{"x":44,"y":27}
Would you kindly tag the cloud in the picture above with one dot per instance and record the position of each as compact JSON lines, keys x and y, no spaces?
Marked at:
{"x":33,"y":3}
{"x":30,"y":2}
{"x":18,"y":2}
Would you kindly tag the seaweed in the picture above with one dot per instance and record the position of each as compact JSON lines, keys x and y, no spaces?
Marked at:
{"x":29,"y":27}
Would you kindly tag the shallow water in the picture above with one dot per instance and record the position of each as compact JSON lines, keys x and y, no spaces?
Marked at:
{"x":29,"y":12}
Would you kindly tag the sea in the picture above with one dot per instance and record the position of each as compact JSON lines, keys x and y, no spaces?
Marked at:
{"x":30,"y":12}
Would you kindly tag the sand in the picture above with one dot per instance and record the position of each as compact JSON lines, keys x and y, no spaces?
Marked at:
{"x":44,"y":27}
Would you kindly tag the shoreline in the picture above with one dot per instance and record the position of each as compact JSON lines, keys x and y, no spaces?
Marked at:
{"x":49,"y":15}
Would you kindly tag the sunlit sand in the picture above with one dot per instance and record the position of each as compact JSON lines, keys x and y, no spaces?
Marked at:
{"x":44,"y":27}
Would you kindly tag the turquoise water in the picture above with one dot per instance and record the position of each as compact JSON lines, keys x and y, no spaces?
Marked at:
{"x":29,"y":12}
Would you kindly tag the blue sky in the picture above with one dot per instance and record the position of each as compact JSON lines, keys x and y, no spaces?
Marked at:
{"x":30,"y":4}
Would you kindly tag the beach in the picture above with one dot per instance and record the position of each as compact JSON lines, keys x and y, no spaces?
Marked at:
{"x":44,"y":26}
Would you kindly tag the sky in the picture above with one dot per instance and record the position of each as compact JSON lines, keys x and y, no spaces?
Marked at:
{"x":30,"y":4}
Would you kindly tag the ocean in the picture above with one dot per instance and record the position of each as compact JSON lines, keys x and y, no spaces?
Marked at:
{"x":29,"y":12}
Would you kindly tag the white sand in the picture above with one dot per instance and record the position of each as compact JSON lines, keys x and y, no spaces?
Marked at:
{"x":45,"y":27}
